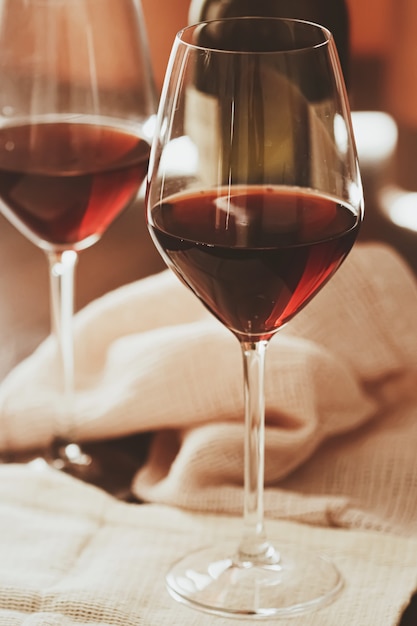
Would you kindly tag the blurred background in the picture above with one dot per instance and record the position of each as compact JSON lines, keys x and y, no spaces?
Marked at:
{"x":383,"y":96}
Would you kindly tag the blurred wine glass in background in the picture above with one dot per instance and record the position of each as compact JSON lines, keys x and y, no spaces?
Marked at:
{"x":77,"y":105}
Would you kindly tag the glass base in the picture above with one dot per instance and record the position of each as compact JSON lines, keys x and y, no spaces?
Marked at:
{"x":110,"y":465}
{"x":71,"y":458}
{"x":213,"y":582}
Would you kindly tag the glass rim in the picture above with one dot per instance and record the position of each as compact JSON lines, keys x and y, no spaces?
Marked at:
{"x":184,"y":35}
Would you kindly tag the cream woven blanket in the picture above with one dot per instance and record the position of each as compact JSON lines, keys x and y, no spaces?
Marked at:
{"x":341,"y":395}
{"x":74,"y":556}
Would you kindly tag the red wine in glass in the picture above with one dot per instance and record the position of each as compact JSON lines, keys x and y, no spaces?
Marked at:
{"x":66,"y":182}
{"x":256,"y":256}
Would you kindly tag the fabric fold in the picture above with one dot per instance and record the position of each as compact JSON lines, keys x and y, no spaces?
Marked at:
{"x":149,"y":357}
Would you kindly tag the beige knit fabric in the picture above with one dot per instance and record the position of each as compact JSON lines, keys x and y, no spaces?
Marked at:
{"x":341,"y":397}
{"x":341,"y":468}
{"x":73,"y":556}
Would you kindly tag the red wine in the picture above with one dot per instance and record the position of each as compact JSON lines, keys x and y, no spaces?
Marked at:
{"x":66,"y":182}
{"x":257,"y":256}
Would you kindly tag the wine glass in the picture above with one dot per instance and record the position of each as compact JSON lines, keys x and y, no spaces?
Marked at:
{"x":77,"y":111}
{"x":254,"y":199}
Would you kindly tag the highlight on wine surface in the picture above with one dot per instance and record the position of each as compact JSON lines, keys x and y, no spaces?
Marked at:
{"x":254,"y":199}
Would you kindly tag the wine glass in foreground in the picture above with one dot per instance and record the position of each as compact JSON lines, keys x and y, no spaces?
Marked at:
{"x":77,"y":109}
{"x":254,"y":199}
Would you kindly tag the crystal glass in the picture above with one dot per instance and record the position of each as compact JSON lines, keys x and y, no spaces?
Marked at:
{"x":77,"y":110}
{"x":254,"y":199}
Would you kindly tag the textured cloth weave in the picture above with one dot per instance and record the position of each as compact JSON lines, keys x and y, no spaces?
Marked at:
{"x":341,"y":468}
{"x":72,"y":556}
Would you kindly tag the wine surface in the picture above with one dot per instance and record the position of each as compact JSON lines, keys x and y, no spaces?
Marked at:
{"x":255,"y":256}
{"x":65,"y":182}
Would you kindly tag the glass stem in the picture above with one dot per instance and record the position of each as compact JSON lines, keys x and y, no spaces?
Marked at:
{"x":254,"y":547}
{"x":61,"y":272}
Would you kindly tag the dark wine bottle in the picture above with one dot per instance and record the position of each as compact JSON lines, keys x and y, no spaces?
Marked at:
{"x":294,"y":97}
{"x":333,"y":14}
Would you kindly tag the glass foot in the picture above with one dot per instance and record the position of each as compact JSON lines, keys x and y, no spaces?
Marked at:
{"x":110,"y":465}
{"x":70,"y":457}
{"x":212,"y":581}
{"x":100,"y":464}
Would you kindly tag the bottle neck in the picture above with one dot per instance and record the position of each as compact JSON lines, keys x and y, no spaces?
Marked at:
{"x":333,"y":14}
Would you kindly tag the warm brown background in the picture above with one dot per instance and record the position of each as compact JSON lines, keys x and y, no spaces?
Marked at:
{"x":383,"y":48}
